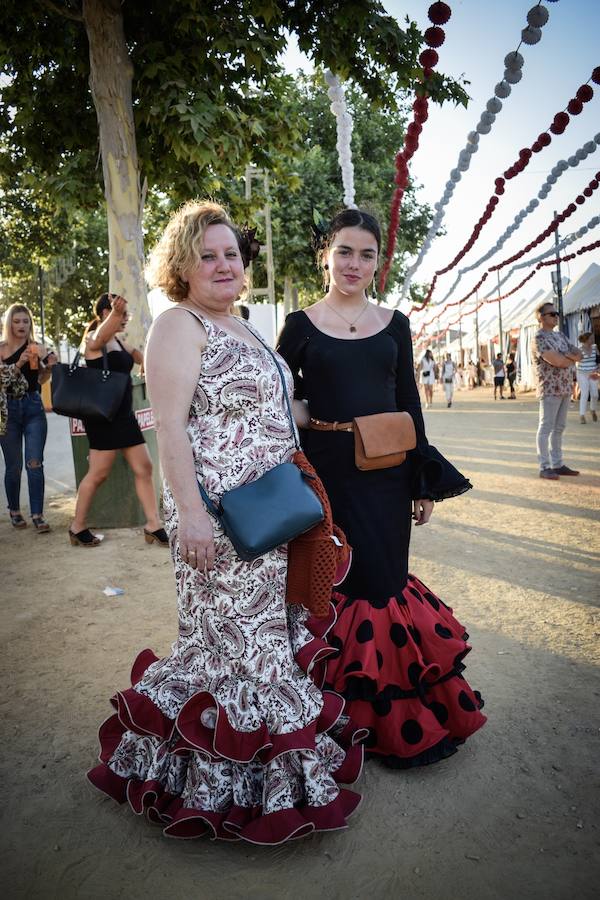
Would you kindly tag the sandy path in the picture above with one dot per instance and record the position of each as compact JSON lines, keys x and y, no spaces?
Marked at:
{"x":513,"y":814}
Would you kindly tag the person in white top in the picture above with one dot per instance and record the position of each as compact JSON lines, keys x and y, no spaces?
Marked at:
{"x":427,"y":369}
{"x":588,"y":374}
{"x":447,"y":378}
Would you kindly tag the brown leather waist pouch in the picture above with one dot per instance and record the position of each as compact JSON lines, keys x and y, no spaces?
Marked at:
{"x":382,"y":441}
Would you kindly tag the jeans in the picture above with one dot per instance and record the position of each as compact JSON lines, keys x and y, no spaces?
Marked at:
{"x":588,"y":387}
{"x":26,"y":422}
{"x":449,"y":390}
{"x":553,"y":418}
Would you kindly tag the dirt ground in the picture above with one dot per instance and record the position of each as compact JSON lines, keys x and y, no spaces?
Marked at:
{"x":513,"y":814}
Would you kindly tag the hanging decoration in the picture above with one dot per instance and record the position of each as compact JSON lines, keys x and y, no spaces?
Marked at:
{"x":537,"y":17}
{"x":565,"y":242}
{"x":557,"y":171}
{"x":542,"y":141}
{"x":344,"y":126}
{"x":438,"y":13}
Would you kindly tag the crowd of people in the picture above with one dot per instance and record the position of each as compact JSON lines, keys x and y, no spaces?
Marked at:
{"x":255,"y":723}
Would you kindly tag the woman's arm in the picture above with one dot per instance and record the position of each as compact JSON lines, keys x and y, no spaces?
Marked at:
{"x":109,"y":327}
{"x":172,"y":363}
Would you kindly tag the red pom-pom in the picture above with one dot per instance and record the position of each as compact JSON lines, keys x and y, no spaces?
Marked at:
{"x":414,"y":129}
{"x":597,"y":175}
{"x":525,"y":153}
{"x":579,"y":199}
{"x":428,"y":59}
{"x":499,"y":182}
{"x":594,"y":183}
{"x":557,"y":129}
{"x":439,"y":13}
{"x":420,"y":104}
{"x":544,"y":139}
{"x":596,"y":75}
{"x":499,"y":190}
{"x":585,"y":93}
{"x":574,"y":106}
{"x":572,"y":208}
{"x":536,"y":146}
{"x":588,"y":191}
{"x":428,"y":72}
{"x":434,"y":36}
{"x":561,"y":119}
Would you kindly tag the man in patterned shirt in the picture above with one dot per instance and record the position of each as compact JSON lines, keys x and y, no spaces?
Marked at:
{"x":553,"y":357}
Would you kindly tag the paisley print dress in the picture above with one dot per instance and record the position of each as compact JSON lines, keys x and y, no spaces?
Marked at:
{"x":228,"y":735}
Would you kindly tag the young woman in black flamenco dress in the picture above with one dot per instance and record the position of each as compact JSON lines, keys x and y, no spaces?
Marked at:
{"x":401,"y":650}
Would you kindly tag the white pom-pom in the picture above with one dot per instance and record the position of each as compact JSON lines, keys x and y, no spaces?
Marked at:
{"x":513,"y":76}
{"x":455,"y":175}
{"x":531,"y":35}
{"x":487,"y":118}
{"x":562,"y":165}
{"x":538,"y":16}
{"x":472,"y":148}
{"x":581,"y":154}
{"x":551,"y":179}
{"x":513,"y":61}
{"x":502,"y":90}
{"x":493,"y":105}
{"x":330,"y":78}
{"x":590,"y":146}
{"x":484,"y":129}
{"x":573,"y":161}
{"x":473,"y":137}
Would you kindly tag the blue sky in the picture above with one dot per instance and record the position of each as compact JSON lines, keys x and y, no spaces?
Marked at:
{"x":478,"y":36}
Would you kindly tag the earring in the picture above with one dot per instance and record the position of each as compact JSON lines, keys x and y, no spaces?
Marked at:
{"x":326,"y":267}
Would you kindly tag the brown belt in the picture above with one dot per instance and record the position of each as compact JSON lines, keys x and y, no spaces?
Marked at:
{"x":318,"y":425}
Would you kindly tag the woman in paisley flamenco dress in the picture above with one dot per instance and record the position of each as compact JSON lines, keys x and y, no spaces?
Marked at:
{"x":228,"y":735}
{"x":400,"y":649}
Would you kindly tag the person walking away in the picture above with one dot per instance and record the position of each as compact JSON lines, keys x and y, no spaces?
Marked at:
{"x":553,"y":358}
{"x":26,"y":425}
{"x":448,"y":373}
{"x":499,"y":376}
{"x":588,"y":373}
{"x":121,"y":433}
{"x":427,"y":370}
{"x":511,"y":374}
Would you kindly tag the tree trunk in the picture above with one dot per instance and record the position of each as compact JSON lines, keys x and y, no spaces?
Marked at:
{"x":287,"y":295}
{"x":111,"y":74}
{"x":295,"y":298}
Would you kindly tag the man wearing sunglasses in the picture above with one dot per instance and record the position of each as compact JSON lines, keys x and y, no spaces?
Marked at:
{"x":554,"y":358}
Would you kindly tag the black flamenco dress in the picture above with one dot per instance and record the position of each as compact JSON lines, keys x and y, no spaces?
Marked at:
{"x":401,"y":650}
{"x":122,"y":431}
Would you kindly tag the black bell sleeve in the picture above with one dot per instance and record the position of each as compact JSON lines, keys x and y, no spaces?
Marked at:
{"x":433,"y":476}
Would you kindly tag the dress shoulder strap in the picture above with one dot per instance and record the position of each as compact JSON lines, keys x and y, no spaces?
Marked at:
{"x":209,"y":326}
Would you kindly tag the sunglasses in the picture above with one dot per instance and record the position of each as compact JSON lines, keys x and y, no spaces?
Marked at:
{"x":555,"y":314}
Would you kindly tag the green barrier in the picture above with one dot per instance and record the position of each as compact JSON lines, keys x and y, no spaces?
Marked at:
{"x":116,"y":504}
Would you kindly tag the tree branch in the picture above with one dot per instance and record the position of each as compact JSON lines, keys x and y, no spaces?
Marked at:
{"x":62,"y":10}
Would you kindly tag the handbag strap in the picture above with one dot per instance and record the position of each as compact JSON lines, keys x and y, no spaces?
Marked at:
{"x":75,"y":364}
{"x":283,"y":384}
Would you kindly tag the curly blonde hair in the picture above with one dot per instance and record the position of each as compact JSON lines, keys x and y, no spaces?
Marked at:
{"x":180,"y":246}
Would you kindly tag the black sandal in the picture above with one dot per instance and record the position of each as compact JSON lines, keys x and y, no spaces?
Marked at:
{"x":83,"y":538}
{"x":160,"y":536}
{"x":17,"y":520}
{"x":40,"y":524}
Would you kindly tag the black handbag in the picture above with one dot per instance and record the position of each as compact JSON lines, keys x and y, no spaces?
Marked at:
{"x":84,"y":393}
{"x":274,"y":509}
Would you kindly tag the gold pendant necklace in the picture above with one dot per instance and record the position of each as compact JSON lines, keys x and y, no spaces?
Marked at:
{"x":351,"y":325}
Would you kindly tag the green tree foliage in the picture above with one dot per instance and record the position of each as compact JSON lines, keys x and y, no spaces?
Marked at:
{"x":208,"y":96}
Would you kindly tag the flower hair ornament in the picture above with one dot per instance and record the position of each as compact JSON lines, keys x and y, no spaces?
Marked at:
{"x":319,"y":232}
{"x":248,"y":244}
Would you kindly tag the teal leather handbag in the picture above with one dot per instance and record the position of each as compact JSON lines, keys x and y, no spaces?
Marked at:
{"x":274,"y":509}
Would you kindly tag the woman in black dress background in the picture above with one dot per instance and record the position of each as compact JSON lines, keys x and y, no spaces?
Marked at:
{"x":401,"y":649}
{"x":122,"y":433}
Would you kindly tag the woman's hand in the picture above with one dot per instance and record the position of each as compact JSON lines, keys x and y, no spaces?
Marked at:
{"x":196,"y":542}
{"x":422,"y":510}
{"x":24,"y":358}
{"x":118,"y":306}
